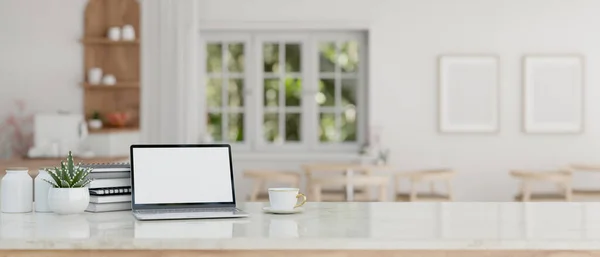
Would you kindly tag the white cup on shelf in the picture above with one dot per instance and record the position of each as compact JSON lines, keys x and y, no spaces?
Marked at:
{"x":114,"y":33}
{"x":128,"y":33}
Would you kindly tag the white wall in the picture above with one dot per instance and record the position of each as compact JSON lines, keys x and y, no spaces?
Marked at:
{"x":40,"y":57}
{"x":405,"y":38}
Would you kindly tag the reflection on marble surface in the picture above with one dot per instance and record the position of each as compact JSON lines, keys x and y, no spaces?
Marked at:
{"x":323,"y":226}
{"x":283,"y":228}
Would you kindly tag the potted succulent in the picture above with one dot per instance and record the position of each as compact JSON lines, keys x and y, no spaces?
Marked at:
{"x":95,"y":122}
{"x":69,"y":194}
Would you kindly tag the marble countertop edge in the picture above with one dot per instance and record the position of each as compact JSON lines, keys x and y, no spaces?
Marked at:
{"x":293,"y":244}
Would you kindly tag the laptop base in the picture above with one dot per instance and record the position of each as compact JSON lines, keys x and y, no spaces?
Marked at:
{"x":178,"y":214}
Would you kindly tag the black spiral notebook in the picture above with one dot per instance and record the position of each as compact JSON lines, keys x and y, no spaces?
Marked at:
{"x":108,"y":167}
{"x":111,"y":191}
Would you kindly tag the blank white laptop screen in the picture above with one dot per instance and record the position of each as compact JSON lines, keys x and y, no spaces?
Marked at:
{"x":182,"y":175}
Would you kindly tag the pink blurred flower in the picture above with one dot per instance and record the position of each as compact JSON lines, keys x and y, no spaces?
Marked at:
{"x":16,"y":134}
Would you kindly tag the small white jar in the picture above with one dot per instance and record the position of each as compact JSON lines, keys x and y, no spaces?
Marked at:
{"x":109,"y":80}
{"x":41,"y":188}
{"x":128,"y":33}
{"x":95,"y":76}
{"x":114,"y":33}
{"x":16,"y":189}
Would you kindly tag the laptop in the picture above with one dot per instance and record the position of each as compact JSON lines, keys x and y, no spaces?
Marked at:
{"x":182,"y":182}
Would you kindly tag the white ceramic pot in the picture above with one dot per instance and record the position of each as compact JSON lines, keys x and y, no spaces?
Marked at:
{"x":128,"y":33}
{"x":114,"y":33}
{"x":95,"y":76}
{"x":68,"y":200}
{"x":17,"y":191}
{"x":109,"y":80}
{"x":40,"y":191}
{"x":95,"y":124}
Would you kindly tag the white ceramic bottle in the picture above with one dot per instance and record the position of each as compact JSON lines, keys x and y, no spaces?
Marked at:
{"x":41,"y":188}
{"x":16,"y":189}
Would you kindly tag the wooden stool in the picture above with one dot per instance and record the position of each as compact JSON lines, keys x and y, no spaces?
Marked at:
{"x":438,"y":175}
{"x":262,"y":177}
{"x":335,"y":192}
{"x":561,"y":178}
{"x":358,"y":181}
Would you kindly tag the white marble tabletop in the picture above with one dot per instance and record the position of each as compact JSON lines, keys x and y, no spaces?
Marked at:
{"x":322,"y":226}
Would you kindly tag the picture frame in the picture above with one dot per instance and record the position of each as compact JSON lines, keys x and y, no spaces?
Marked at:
{"x":469,"y":93}
{"x":553,"y":93}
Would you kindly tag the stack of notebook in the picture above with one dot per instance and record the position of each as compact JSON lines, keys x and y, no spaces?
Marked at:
{"x":110,"y":189}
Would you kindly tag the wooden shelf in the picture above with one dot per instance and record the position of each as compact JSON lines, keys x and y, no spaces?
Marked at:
{"x":123,"y":85}
{"x":113,"y":130}
{"x":106,"y":41}
{"x":119,"y":58}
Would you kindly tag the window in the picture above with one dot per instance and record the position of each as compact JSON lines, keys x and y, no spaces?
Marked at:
{"x":338,"y":85}
{"x":224,"y":87}
{"x":303,"y":91}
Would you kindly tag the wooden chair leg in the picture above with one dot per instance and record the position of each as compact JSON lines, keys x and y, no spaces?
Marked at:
{"x":382,"y":193}
{"x":309,"y":190}
{"x":413,"y":192}
{"x":396,"y":188}
{"x":316,"y":192}
{"x":568,"y":193}
{"x":526,"y":197}
{"x":450,"y":190}
{"x":256,"y":190}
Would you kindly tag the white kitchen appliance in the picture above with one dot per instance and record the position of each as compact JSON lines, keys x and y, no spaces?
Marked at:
{"x":55,"y":134}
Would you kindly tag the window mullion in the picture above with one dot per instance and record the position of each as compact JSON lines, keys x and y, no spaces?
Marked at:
{"x":282,"y":99}
{"x":259,"y":80}
{"x":224,"y":92}
{"x":249,"y":94}
{"x":311,"y":108}
{"x":338,"y":92}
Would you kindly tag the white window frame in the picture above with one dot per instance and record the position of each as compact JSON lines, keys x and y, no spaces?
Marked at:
{"x":361,"y":91}
{"x":227,"y":38}
{"x":309,"y":109}
{"x":280,"y":38}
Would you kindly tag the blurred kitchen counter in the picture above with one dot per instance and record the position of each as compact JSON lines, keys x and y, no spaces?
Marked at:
{"x":34,"y":164}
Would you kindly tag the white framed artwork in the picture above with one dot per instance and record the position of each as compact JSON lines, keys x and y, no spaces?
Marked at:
{"x":469,"y":93}
{"x":553,"y":88}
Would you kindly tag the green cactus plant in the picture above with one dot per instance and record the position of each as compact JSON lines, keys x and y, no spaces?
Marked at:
{"x":96,"y":115}
{"x":68,"y":175}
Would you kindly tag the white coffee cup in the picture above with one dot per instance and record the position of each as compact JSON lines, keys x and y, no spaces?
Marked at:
{"x":285,"y":198}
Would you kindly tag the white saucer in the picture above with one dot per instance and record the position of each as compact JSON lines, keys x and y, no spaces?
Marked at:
{"x":292,"y":211}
